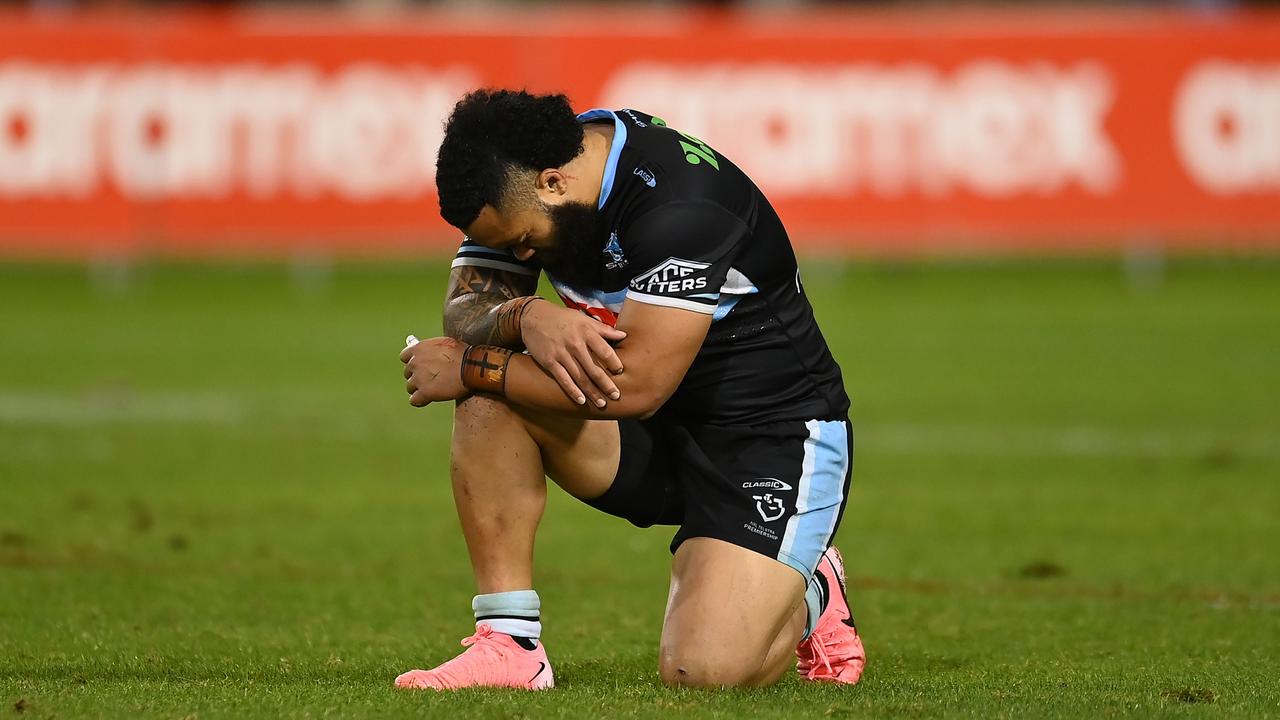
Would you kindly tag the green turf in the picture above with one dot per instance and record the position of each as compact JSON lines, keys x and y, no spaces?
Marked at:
{"x":215,"y":502}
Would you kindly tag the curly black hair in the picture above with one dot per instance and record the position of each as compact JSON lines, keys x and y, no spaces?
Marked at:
{"x":493,"y":135}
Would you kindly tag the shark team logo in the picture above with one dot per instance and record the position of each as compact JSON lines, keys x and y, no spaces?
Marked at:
{"x":672,"y":275}
{"x":614,"y":252}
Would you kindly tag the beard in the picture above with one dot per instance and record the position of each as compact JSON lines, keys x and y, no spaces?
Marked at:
{"x":578,"y":235}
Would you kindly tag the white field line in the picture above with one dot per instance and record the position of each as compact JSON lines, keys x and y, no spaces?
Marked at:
{"x":98,"y":408}
{"x":341,"y":419}
{"x":1070,"y":441}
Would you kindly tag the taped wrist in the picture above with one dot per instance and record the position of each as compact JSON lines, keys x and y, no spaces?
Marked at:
{"x":484,"y":368}
{"x":509,"y":315}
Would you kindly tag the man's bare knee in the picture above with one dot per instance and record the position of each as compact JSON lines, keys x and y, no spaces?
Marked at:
{"x":483,"y":424}
{"x":580,"y":455}
{"x":679,"y":668}
{"x":480,"y":416}
{"x":488,"y":430}
{"x":478,"y":411}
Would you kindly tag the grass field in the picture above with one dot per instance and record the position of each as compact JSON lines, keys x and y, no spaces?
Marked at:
{"x":216,"y":502}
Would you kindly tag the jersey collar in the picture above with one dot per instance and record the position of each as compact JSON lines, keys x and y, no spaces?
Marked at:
{"x":610,"y":165}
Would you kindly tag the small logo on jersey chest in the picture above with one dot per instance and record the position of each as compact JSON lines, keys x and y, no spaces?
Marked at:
{"x":646,"y":176}
{"x":614,"y":258}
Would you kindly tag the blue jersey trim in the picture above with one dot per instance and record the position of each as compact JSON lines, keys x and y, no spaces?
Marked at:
{"x":482,"y":250}
{"x":727,"y":303}
{"x":615,"y":151}
{"x":615,"y":298}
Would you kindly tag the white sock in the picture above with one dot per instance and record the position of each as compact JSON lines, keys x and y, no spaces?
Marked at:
{"x":516,"y":613}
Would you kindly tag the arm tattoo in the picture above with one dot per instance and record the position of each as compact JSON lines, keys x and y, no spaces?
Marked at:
{"x":506,"y":328}
{"x":484,"y":369}
{"x":474,"y":310}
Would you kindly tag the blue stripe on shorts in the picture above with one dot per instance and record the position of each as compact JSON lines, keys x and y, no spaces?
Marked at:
{"x":818,"y":497}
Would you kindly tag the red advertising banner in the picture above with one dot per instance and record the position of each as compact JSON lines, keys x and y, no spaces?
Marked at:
{"x":260,"y":132}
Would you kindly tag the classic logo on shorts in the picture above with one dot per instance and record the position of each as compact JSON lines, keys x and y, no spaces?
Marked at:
{"x":771,"y":483}
{"x":672,"y":275}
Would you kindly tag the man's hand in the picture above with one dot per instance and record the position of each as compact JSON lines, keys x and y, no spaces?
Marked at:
{"x":572,"y":347}
{"x":432,"y":371}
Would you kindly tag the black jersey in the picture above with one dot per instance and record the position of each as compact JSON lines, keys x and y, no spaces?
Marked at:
{"x":692,"y":231}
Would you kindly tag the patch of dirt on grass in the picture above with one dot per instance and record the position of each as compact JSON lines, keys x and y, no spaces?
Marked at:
{"x":1192,"y":695}
{"x":141,"y":518}
{"x":82,"y":501}
{"x":1220,"y":457}
{"x":1040,"y":570}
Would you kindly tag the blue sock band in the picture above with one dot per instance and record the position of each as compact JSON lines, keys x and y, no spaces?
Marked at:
{"x":816,"y":603}
{"x":517,"y":613}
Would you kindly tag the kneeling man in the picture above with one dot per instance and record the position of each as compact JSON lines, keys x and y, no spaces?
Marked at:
{"x":685,"y":383}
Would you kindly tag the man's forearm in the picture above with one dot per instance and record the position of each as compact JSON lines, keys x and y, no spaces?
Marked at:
{"x":530,"y":386}
{"x":472,"y":319}
{"x":486,"y":319}
{"x":519,"y":378}
{"x":482,"y":305}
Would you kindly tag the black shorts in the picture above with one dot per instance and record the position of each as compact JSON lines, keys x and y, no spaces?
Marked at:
{"x":777,"y":489}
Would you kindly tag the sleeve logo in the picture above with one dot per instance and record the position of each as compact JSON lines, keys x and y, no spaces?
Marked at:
{"x":646,"y":176}
{"x":672,"y":275}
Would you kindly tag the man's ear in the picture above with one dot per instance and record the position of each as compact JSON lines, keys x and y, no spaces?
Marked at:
{"x":552,"y":182}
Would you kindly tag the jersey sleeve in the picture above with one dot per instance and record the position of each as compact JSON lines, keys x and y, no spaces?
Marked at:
{"x":471,"y":253}
{"x":683,"y":252}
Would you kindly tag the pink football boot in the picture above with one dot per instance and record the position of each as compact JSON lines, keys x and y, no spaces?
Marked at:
{"x":492,"y":659}
{"x":833,"y":653}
